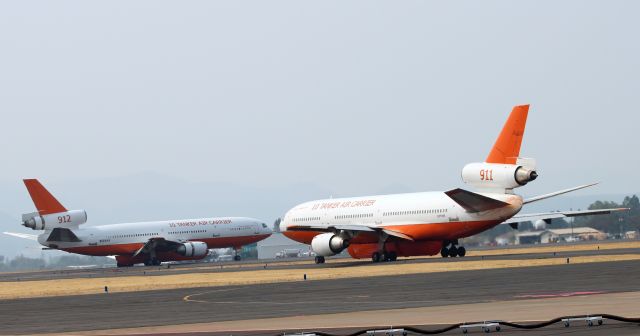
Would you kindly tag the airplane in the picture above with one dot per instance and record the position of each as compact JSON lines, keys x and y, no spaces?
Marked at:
{"x":385,"y":227}
{"x":149,"y":243}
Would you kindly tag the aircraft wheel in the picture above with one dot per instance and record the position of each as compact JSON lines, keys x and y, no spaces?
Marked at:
{"x":462,"y":251}
{"x":155,"y":262}
{"x":148,"y":262}
{"x":237,"y":257}
{"x":444,"y":252}
{"x":393,"y":256}
{"x":453,"y":252}
{"x":319,"y":260}
{"x":375,"y":257}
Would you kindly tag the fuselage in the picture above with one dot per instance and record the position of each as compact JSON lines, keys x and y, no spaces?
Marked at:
{"x":425,"y":216}
{"x":127,"y":238}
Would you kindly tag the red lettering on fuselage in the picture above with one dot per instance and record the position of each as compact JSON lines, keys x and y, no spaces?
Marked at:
{"x":200,"y":223}
{"x":345,"y":204}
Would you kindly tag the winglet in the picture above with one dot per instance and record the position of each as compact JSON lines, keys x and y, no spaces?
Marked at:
{"x":42,"y":198}
{"x":507,"y":147}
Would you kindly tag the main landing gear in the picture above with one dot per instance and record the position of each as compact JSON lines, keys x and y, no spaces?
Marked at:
{"x":452,"y":250}
{"x":152,"y":262}
{"x":384,"y":256}
{"x":319,"y":260}
{"x":237,"y":256}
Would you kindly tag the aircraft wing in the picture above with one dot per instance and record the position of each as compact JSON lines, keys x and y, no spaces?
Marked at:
{"x":548,"y":216}
{"x":353,"y":228}
{"x":22,"y":235}
{"x":150,"y":245}
{"x":158,"y":244}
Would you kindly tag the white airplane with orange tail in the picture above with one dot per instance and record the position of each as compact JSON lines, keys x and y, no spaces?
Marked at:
{"x":131,"y":243}
{"x":417,"y":224}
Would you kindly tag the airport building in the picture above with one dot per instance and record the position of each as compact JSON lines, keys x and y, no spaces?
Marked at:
{"x":277,"y":243}
{"x":529,"y":237}
{"x":579,"y":233}
{"x":559,"y":235}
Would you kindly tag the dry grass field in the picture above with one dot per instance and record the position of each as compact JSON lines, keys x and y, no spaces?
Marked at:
{"x":63,"y":287}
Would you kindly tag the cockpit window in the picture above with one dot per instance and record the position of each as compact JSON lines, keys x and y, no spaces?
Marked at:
{"x":264,"y":225}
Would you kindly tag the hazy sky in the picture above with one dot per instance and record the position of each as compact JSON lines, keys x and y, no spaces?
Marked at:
{"x":353,"y":96}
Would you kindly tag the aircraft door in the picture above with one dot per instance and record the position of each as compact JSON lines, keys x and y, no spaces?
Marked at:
{"x":377,"y":217}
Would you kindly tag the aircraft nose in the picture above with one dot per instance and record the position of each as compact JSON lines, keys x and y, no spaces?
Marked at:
{"x":264,"y":228}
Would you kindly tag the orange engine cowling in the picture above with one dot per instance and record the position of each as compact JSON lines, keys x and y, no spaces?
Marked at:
{"x":401,"y":248}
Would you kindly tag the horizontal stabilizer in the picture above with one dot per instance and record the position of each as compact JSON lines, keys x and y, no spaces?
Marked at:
{"x":62,"y":235}
{"x":557,"y":193}
{"x":22,"y":235}
{"x":473,"y":202}
{"x":548,"y":216}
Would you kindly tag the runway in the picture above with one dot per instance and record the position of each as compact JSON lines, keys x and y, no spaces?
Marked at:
{"x":490,"y":253}
{"x":451,"y":293}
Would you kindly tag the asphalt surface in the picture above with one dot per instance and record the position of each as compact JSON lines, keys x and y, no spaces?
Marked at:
{"x":249,"y":265}
{"x":181,"y":306}
{"x":608,"y":328}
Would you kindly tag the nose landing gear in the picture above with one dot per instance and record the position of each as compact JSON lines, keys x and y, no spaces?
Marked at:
{"x":236,"y":255}
{"x":452,"y":250}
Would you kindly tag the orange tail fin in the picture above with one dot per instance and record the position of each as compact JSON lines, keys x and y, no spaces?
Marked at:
{"x":42,"y":198}
{"x":507,"y":146}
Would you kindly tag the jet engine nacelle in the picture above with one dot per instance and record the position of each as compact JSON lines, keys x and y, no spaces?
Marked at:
{"x":328,"y":244}
{"x":193,"y":249}
{"x":497,"y":176}
{"x":68,"y":219}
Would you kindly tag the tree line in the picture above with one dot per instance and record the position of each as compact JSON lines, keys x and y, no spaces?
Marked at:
{"x":616,"y":223}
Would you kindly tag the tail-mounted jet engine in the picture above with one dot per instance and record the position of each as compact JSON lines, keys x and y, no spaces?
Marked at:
{"x":497,"y":176}
{"x":68,"y":219}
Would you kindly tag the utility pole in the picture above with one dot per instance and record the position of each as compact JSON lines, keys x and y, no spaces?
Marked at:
{"x":572,"y":219}
{"x":620,"y":220}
